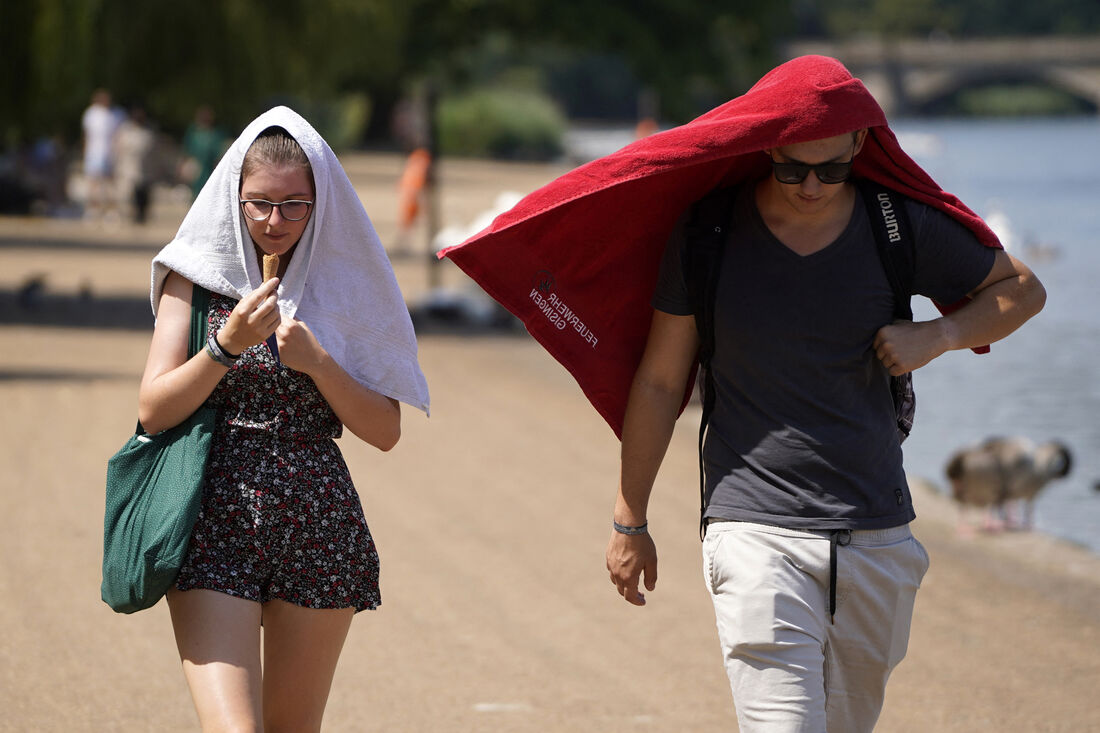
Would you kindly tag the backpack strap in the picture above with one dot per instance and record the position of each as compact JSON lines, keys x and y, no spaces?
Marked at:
{"x":894,"y":240}
{"x":705,"y":232}
{"x":896,"y":249}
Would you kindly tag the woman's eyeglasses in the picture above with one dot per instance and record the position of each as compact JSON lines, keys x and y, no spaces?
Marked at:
{"x":260,"y":209}
{"x":796,"y":172}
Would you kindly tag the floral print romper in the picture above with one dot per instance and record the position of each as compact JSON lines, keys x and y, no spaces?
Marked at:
{"x":280,"y":517}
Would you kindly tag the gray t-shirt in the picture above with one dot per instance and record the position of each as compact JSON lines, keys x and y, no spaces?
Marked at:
{"x":803,"y":430}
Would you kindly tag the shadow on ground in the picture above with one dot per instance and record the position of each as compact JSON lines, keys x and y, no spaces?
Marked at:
{"x":43,"y":242}
{"x":32,"y":304}
{"x":59,"y":375}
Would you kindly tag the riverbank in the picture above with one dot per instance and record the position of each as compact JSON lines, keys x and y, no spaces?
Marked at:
{"x":491,"y":518}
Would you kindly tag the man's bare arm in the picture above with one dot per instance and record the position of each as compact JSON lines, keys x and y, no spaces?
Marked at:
{"x":1004,"y":301}
{"x":654,"y":403}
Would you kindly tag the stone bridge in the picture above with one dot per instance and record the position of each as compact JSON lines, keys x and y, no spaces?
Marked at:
{"x":906,"y":75}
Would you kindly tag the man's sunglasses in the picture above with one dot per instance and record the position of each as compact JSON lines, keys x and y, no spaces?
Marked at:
{"x":828,"y":173}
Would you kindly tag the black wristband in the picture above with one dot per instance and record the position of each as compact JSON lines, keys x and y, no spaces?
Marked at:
{"x":215,"y":352}
{"x":623,"y":529}
{"x":224,"y":350}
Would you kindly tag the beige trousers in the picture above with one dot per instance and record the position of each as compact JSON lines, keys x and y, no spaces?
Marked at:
{"x":791,"y":667}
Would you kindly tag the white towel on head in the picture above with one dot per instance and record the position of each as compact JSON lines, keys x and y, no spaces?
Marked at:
{"x":339,"y":282}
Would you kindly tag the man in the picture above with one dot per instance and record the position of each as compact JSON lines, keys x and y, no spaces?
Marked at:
{"x":804,"y":474}
{"x":99,"y":123}
{"x":802,"y":455}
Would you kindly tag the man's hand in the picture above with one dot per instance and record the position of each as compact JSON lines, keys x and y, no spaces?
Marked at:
{"x":904,"y":346}
{"x":1009,"y":295}
{"x":628,"y":557}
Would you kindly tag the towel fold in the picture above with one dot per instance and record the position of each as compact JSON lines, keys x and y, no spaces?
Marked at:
{"x":339,"y":282}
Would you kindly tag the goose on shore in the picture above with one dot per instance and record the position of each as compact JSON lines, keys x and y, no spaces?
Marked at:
{"x":1002,"y":471}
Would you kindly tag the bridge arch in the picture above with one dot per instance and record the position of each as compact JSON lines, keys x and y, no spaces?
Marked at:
{"x":907,"y":75}
{"x":934,"y":89}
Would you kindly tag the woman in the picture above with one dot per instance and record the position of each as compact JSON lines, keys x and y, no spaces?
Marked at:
{"x":280,"y":540}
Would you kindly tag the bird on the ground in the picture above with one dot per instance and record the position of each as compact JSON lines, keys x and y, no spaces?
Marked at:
{"x":1001,"y":471}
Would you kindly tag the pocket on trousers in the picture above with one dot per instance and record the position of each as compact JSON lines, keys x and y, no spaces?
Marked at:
{"x":925,"y":560}
{"x":710,"y":547}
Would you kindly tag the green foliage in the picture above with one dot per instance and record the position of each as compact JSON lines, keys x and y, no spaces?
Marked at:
{"x":240,"y":56}
{"x":1012,"y":100}
{"x":501,"y":123}
{"x":890,"y":18}
{"x":350,"y":61}
{"x":969,"y":18}
{"x":341,"y":119}
{"x":690,"y":53}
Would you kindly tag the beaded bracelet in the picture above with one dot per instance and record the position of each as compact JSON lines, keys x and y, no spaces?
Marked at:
{"x":623,"y":529}
{"x":215,"y":351}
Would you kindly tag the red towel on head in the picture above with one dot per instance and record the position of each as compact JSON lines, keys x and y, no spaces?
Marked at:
{"x":577,"y":259}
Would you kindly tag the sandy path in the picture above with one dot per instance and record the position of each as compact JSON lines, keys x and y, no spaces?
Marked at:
{"x":491,"y":517}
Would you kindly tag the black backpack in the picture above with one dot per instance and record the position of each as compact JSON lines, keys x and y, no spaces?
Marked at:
{"x":706,"y":230}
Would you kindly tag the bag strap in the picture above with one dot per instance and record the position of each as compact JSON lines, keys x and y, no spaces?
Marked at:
{"x":894,"y":240}
{"x":706,"y":232}
{"x":896,"y":249}
{"x":200,"y":309}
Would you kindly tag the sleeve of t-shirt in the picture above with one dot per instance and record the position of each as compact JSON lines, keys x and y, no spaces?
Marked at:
{"x":950,"y":261}
{"x":670,"y":294}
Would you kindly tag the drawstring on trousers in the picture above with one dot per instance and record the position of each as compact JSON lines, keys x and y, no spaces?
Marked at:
{"x":842,"y":538}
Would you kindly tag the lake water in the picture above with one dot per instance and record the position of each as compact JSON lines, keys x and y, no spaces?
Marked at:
{"x":1037,"y":182}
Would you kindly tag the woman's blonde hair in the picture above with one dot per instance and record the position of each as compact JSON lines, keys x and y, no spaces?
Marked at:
{"x":276,"y":147}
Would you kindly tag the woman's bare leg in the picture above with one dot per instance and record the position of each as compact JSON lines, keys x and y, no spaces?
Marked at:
{"x":218,"y":637}
{"x":301,"y":649}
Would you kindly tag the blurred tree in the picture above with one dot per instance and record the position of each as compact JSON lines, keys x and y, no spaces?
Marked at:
{"x":839,"y":18}
{"x":333,"y":58}
{"x":236,"y":55}
{"x":890,"y":18}
{"x":15,"y":82}
{"x":692,"y":53}
{"x":1020,"y":18}
{"x":240,"y":55}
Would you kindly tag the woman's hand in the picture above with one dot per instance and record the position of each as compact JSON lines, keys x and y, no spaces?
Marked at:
{"x":253,"y":320}
{"x":298,"y":347}
{"x":371,"y":416}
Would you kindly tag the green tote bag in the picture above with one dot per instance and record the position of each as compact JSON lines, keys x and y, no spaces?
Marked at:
{"x":154,"y":488}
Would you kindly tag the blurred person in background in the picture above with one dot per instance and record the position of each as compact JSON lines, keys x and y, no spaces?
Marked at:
{"x":134,"y":144}
{"x":99,"y":123}
{"x":203,"y":145}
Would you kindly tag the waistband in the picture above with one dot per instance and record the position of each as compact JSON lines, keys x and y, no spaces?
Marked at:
{"x":861,"y":537}
{"x":835,"y":538}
